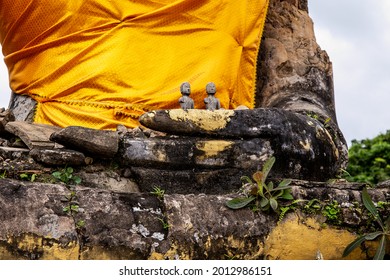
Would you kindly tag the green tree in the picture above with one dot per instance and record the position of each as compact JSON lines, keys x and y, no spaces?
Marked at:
{"x":369,"y":160}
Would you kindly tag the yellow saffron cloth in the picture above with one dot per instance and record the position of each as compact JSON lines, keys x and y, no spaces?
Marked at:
{"x":100,"y":63}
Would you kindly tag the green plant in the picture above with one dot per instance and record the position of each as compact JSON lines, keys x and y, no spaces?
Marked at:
{"x":382,"y":234}
{"x":71,"y":208}
{"x":290,"y":207}
{"x":263,"y":194}
{"x":157,"y":191}
{"x":66,"y":176}
{"x":165,"y":224}
{"x":332,"y":211}
{"x":313,"y":206}
{"x":369,"y":160}
{"x":3,"y":175}
{"x":80,"y":224}
{"x":312,"y":115}
{"x":71,"y":200}
{"x":28,"y":177}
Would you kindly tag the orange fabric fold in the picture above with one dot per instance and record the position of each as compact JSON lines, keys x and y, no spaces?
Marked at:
{"x":102,"y":63}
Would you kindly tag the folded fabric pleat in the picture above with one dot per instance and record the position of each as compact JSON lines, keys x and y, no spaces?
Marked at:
{"x":99,"y":63}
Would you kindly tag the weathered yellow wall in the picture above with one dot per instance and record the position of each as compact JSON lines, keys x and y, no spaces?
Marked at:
{"x":300,"y":238}
{"x":296,"y":237}
{"x":27,"y":245}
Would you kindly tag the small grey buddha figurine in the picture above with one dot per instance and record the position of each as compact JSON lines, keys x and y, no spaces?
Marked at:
{"x":212,"y":103}
{"x":186,"y":101}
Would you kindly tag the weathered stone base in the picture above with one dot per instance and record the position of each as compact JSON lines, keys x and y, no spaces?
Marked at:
{"x":108,"y":225}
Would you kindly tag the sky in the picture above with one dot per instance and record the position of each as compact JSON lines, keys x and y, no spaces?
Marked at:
{"x":356,"y":36}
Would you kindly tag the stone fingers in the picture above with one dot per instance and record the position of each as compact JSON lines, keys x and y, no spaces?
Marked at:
{"x":187,"y":153}
{"x":302,"y":145}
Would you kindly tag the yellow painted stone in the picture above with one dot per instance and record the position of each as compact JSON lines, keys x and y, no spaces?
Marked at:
{"x":156,"y":257}
{"x":177,"y":252}
{"x":108,"y":253}
{"x":5,"y":254}
{"x":47,"y":248}
{"x":252,"y":252}
{"x":212,"y":148}
{"x":204,"y":119}
{"x":301,"y":238}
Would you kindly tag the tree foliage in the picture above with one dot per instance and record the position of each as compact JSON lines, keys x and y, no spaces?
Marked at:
{"x":369,"y":160}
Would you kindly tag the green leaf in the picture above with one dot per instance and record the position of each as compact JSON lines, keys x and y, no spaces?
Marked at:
{"x":264,"y":202}
{"x":387,"y":225}
{"x":287,"y":196}
{"x":258,"y":177}
{"x":285,"y":183}
{"x":66,"y":209}
{"x":277,"y":194}
{"x":270,"y":186}
{"x":267,"y":167}
{"x":371,"y":207}
{"x":373,"y":235}
{"x":77,"y":179}
{"x":247,"y":179}
{"x":282,"y":188}
{"x":74,"y":208}
{"x":353,"y":245}
{"x":239,"y":202}
{"x":381,"y":251}
{"x":33,"y":177}
{"x":80,"y":224}
{"x":368,"y":203}
{"x":273,"y":203}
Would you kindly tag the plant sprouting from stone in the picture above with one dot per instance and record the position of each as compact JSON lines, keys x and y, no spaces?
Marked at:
{"x":157,"y":191}
{"x":262,"y":193}
{"x":28,"y":177}
{"x":290,"y":207}
{"x":80,"y":224}
{"x":66,"y":176}
{"x":3,"y":175}
{"x":382,"y":234}
{"x":72,"y":208}
{"x":165,"y":224}
{"x":332,"y":211}
{"x":72,"y":203}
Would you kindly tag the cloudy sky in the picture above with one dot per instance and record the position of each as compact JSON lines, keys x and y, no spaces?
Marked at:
{"x":356,"y":35}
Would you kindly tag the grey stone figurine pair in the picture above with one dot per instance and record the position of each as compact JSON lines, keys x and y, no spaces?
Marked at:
{"x":186,"y":102}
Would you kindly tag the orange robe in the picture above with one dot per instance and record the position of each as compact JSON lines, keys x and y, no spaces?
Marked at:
{"x":100,"y":63}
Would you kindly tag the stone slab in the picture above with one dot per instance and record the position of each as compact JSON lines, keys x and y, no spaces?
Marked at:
{"x":33,"y":135}
{"x":13,"y":153}
{"x":93,"y":142}
{"x":57,"y":157}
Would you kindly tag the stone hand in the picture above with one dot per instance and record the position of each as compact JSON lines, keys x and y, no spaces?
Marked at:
{"x":240,"y":140}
